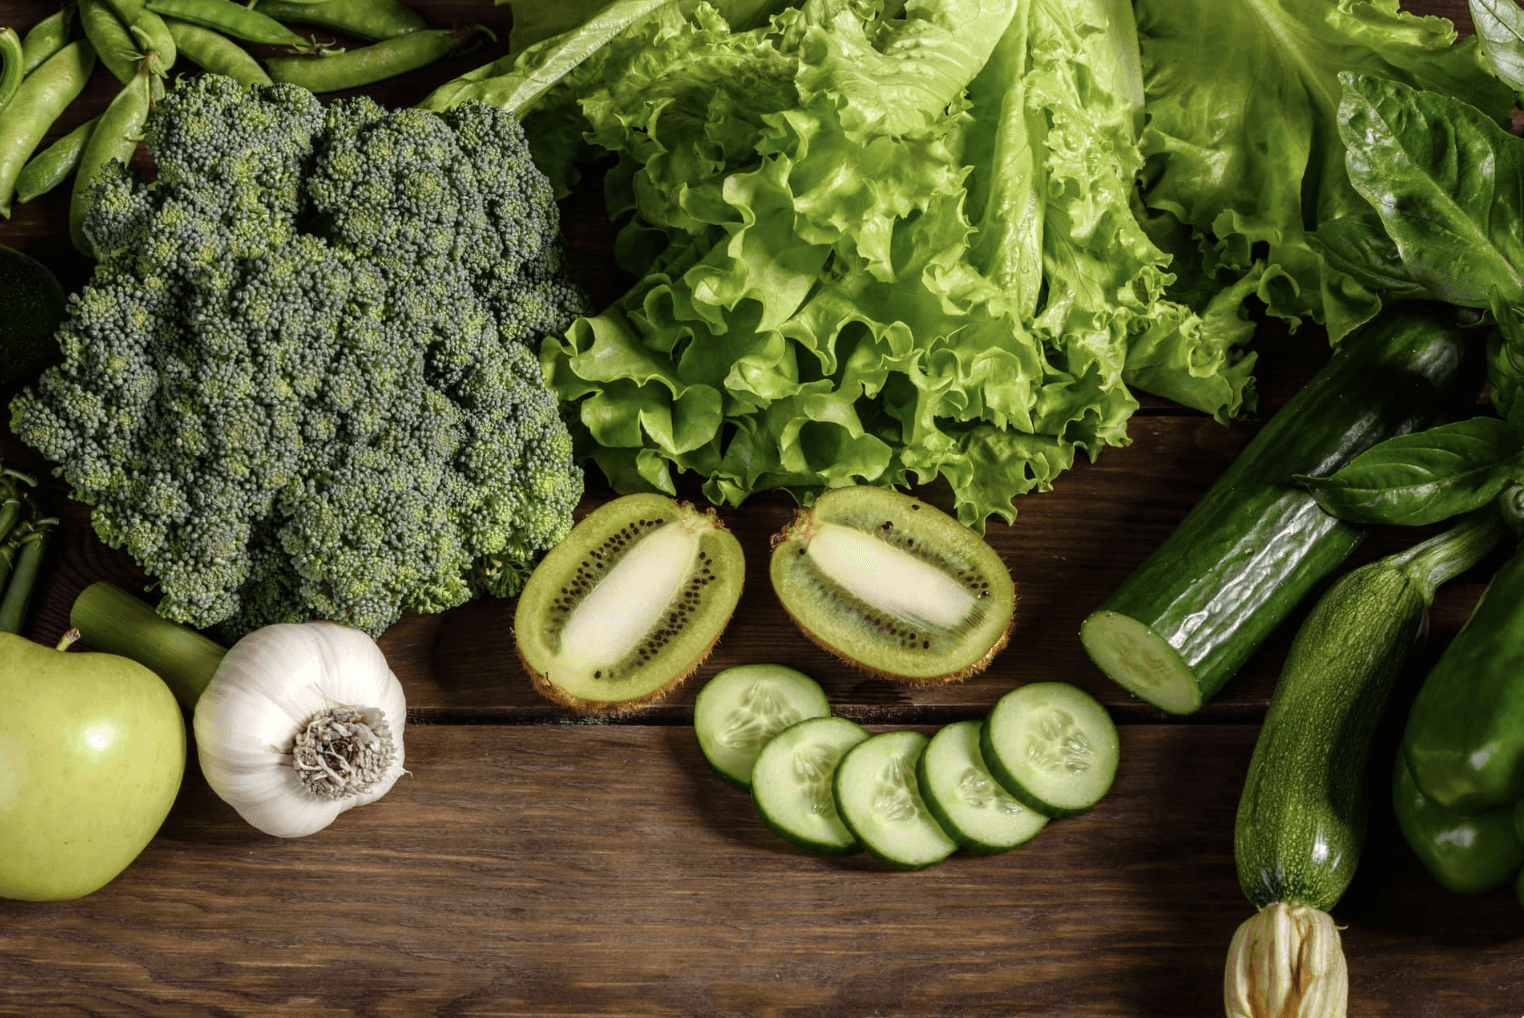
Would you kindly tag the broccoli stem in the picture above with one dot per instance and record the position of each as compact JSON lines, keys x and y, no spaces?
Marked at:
{"x":30,"y":549}
{"x":110,"y":619}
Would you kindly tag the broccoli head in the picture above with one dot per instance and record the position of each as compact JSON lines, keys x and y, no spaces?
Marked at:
{"x":302,"y":382}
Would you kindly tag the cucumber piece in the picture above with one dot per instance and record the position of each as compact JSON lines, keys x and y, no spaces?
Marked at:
{"x":880,"y":800}
{"x":1052,"y":746}
{"x":964,"y":797}
{"x":739,"y":709}
{"x":791,"y":783}
{"x":1256,"y":544}
{"x":1464,"y":739}
{"x":1302,"y":816}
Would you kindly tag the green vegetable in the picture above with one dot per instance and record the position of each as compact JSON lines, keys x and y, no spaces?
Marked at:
{"x":368,"y":19}
{"x":32,"y":307}
{"x":114,"y":139}
{"x":45,"y":38}
{"x":11,"y":61}
{"x":1302,"y":816}
{"x":1424,"y":477}
{"x":299,"y":386}
{"x":1499,"y":25}
{"x":965,"y":799}
{"x":868,"y":249}
{"x":365,"y":65}
{"x":1464,"y":739}
{"x":1505,"y":360}
{"x":1186,"y":619}
{"x":1466,"y":854}
{"x":113,"y":41}
{"x":1243,"y":147}
{"x":879,"y":800}
{"x":234,"y":20}
{"x":54,"y":164}
{"x":742,"y":707}
{"x":43,"y":96}
{"x":215,"y":52}
{"x":791,"y":783}
{"x":1052,"y":746}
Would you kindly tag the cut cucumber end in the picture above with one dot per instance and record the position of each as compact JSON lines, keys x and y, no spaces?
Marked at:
{"x":791,"y":783}
{"x":965,"y":799}
{"x":741,"y":708}
{"x":1140,"y":661}
{"x":1052,"y":746}
{"x":880,"y":800}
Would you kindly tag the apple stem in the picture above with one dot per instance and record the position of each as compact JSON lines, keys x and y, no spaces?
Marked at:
{"x":115,"y":621}
{"x":69,"y":638}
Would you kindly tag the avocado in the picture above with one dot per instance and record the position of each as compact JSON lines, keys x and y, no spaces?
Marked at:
{"x":32,"y":307}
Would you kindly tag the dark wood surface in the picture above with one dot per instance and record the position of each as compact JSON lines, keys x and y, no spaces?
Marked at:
{"x":535,"y":862}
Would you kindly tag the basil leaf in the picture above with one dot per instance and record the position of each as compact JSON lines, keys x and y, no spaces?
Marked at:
{"x":1500,"y":26}
{"x":1424,"y":477}
{"x":1505,"y":361}
{"x":1358,"y":246}
{"x":1444,"y":178}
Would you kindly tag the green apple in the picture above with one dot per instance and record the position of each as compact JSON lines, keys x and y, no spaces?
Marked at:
{"x":92,"y":750}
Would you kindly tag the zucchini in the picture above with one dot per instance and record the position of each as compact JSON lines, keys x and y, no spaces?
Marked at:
{"x":1188,"y":618}
{"x":1464,"y":739}
{"x":1301,"y":818}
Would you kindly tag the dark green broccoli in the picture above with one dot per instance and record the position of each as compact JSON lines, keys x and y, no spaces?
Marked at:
{"x":302,"y":382}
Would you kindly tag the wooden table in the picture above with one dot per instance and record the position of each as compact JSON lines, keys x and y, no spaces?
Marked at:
{"x":534,"y":862}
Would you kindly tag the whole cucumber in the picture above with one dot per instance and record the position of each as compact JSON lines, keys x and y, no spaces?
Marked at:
{"x":1191,"y":614}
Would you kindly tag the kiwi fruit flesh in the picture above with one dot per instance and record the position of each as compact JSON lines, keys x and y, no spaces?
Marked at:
{"x":893,"y":585}
{"x":629,"y":604}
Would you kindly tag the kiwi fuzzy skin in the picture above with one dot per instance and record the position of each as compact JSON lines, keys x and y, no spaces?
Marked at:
{"x":803,"y":525}
{"x":557,"y":694}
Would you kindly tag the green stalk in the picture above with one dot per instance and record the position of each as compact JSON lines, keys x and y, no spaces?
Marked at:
{"x":1445,"y":556}
{"x":18,"y":592}
{"x":110,"y":619}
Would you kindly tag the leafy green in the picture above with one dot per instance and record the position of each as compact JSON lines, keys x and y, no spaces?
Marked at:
{"x":1500,"y":27}
{"x":1243,"y":143}
{"x":1424,"y":477}
{"x":1444,"y":180}
{"x":1505,"y":360}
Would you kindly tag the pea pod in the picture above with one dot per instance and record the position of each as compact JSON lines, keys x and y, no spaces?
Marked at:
{"x":367,"y":19}
{"x":43,"y":96}
{"x":45,"y":38}
{"x":334,"y":72}
{"x":11,"y":59}
{"x":116,"y":136}
{"x":215,"y":52}
{"x":54,"y":164}
{"x":157,"y":40}
{"x":232,"y":19}
{"x":1465,"y":854}
{"x":113,"y":41}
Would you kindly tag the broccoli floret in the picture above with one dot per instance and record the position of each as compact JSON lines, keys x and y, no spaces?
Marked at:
{"x":302,"y":382}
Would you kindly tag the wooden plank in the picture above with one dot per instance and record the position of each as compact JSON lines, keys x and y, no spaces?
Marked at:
{"x":524,"y":871}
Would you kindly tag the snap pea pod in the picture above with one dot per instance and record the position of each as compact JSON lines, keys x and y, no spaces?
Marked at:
{"x":113,"y":41}
{"x":43,"y":96}
{"x":45,"y":38}
{"x":334,"y":72}
{"x":157,"y":39}
{"x":54,"y":164}
{"x":116,"y":136}
{"x":215,"y":52}
{"x":367,"y":19}
{"x":11,"y":59}
{"x":232,"y":19}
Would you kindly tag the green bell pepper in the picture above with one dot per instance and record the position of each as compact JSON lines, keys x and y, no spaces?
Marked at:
{"x":1467,"y":854}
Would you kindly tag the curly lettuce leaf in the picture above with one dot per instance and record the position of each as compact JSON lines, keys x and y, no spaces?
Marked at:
{"x":1243,"y":134}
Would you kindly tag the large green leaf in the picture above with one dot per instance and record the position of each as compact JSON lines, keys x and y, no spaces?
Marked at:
{"x":1500,"y":26}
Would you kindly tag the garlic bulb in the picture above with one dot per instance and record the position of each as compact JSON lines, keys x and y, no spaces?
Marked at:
{"x":300,"y":723}
{"x":1286,"y":962}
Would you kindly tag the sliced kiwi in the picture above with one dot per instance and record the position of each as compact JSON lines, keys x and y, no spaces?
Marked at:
{"x":629,"y":604}
{"x":893,"y":585}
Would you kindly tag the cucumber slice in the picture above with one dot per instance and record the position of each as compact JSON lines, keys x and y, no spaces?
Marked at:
{"x":791,"y":783}
{"x":964,"y":797}
{"x":739,"y":709}
{"x":879,"y":798}
{"x":1052,"y":746}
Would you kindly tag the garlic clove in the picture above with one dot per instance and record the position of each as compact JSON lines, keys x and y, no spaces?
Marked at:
{"x":1286,"y":961}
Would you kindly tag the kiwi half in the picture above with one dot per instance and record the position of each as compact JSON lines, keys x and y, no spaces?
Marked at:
{"x":629,"y":604}
{"x":893,"y":585}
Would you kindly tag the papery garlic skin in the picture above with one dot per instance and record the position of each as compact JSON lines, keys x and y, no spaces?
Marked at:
{"x":1287,"y":962}
{"x":267,"y":688}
